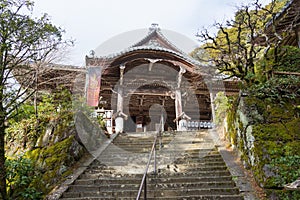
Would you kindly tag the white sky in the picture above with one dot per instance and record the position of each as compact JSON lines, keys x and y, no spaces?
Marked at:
{"x":92,"y":22}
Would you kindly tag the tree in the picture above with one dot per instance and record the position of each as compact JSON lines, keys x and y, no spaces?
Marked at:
{"x":24,"y":40}
{"x":234,"y":50}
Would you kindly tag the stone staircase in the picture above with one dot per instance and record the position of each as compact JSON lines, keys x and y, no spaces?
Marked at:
{"x":189,"y":167}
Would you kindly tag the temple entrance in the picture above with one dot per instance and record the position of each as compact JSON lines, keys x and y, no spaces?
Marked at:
{"x":146,"y":106}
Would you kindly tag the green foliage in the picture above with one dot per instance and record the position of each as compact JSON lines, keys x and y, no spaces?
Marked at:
{"x":51,"y":155}
{"x":101,"y":122}
{"x":280,"y":131}
{"x":283,"y":194}
{"x":279,"y":59}
{"x":26,"y":129}
{"x":20,"y":174}
{"x":278,"y":89}
{"x":285,"y":58}
{"x":221,"y":102}
{"x":286,"y":169}
{"x":231,"y":116}
{"x":234,"y":50}
{"x":25,"y":40}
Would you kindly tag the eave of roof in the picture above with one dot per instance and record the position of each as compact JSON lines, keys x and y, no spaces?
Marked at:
{"x":281,"y":13}
{"x":141,"y":45}
{"x":284,"y":14}
{"x":153,"y":48}
{"x":66,"y":67}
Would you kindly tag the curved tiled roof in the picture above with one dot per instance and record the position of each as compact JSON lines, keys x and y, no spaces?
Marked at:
{"x":132,"y":49}
{"x":142,"y":45}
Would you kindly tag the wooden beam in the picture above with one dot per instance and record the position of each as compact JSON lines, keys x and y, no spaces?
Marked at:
{"x":287,"y":73}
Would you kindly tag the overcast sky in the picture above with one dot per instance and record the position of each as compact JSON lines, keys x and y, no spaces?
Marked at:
{"x":92,"y":22}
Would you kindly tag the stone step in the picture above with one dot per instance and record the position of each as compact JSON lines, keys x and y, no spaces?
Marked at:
{"x":154,"y":193}
{"x":195,"y":152}
{"x":163,"y":141}
{"x":121,"y":141}
{"x":175,"y":168}
{"x":165,"y":148}
{"x":163,"y":159}
{"x":160,"y":156}
{"x":189,"y":173}
{"x":178,"y":158}
{"x":192,"y":173}
{"x":191,"y":197}
{"x":180,"y":169}
{"x":176,"y":138}
{"x":158,"y":179}
{"x":152,"y":185}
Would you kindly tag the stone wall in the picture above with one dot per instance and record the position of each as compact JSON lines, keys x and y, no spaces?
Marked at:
{"x":267,"y":138}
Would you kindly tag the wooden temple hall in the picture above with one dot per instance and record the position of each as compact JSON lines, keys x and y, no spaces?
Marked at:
{"x":152,"y":84}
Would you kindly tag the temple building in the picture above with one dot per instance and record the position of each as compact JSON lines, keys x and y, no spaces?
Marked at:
{"x":149,"y":85}
{"x":285,"y":27}
{"x":152,"y":81}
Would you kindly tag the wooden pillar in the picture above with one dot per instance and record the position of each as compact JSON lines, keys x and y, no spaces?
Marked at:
{"x":212,"y":99}
{"x":211,"y":95}
{"x":178,"y":101}
{"x":178,"y":106}
{"x":120,"y":98}
{"x":119,"y":120}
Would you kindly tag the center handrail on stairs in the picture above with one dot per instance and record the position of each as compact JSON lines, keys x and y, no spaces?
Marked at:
{"x":152,"y":152}
{"x":144,"y":182}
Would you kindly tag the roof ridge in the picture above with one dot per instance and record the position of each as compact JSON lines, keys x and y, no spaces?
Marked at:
{"x":154,"y":29}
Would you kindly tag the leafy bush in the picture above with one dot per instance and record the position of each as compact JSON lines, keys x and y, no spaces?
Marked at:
{"x":288,"y":59}
{"x":286,"y":169}
{"x":222,"y":106}
{"x":47,"y":141}
{"x":27,"y":127}
{"x":20,"y":174}
{"x":277,"y":89}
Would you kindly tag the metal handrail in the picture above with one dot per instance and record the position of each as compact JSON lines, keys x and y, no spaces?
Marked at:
{"x":143,"y":182}
{"x":153,"y":151}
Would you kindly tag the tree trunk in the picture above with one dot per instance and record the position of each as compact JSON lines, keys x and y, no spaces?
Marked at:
{"x":2,"y":155}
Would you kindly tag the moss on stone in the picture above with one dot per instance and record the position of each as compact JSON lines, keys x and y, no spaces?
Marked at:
{"x":54,"y":162}
{"x":272,"y":153}
{"x":231,"y":114}
{"x":283,"y":194}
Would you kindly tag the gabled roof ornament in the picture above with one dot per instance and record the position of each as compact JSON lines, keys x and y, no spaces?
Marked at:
{"x":154,"y":27}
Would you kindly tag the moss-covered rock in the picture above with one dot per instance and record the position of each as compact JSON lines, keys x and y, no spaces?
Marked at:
{"x":268,"y":139}
{"x":283,"y":194}
{"x":55,"y":162}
